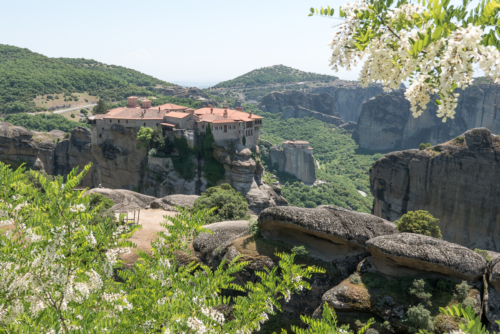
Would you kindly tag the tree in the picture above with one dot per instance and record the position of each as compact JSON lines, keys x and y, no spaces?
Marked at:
{"x":432,"y":44}
{"x":100,"y":108}
{"x":244,"y":140}
{"x":420,"y":222}
{"x":229,"y":204}
{"x":213,"y":169}
{"x":144,"y":136}
{"x":61,"y":274}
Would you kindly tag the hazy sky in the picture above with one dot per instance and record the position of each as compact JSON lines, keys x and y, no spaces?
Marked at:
{"x":188,"y":41}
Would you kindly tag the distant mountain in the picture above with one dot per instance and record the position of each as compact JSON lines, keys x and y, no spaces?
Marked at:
{"x":277,"y":74}
{"x":25,"y":74}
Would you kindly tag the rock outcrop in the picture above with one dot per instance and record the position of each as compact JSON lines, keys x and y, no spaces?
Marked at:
{"x":120,"y":164}
{"x":349,"y":99}
{"x":386,"y":123}
{"x":169,"y":203}
{"x":298,"y":104}
{"x":329,"y":233}
{"x":46,"y":151}
{"x":407,"y":254}
{"x":457,"y":182}
{"x":295,"y":158}
{"x":124,"y":199}
{"x":244,"y":174}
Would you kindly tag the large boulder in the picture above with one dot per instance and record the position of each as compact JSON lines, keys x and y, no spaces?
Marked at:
{"x":329,"y":233}
{"x":124,"y":199}
{"x":494,"y":273}
{"x":410,"y":254}
{"x":170,"y":202}
{"x":211,"y":247}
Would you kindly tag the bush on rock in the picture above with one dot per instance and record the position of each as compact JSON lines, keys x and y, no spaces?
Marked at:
{"x":420,"y":222}
{"x":229,"y":204}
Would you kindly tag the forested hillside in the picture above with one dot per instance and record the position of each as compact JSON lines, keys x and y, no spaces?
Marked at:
{"x":278,"y":74}
{"x":25,"y":74}
{"x":343,"y":166}
{"x":43,"y":122}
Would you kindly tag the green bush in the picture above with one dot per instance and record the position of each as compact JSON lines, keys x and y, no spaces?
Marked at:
{"x":462,"y":290}
{"x":355,"y":279}
{"x":253,"y":227}
{"x":418,"y":290}
{"x":213,"y":169}
{"x":418,"y":317}
{"x":184,"y":164}
{"x":84,"y":111}
{"x":420,"y":222}
{"x":460,"y":139}
{"x":72,"y":115}
{"x":423,"y":146}
{"x":67,"y":135}
{"x":483,"y":253}
{"x":105,"y":213}
{"x":229,"y":204}
{"x":300,"y":251}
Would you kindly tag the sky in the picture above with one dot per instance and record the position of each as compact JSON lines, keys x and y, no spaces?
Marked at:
{"x":190,"y":42}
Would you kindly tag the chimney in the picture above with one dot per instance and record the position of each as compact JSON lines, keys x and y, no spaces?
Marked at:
{"x":159,"y":109}
{"x":131,"y":101}
{"x":210,"y":106}
{"x":211,"y":110}
{"x":146,"y":104}
{"x":250,"y":114}
{"x":225,"y":113}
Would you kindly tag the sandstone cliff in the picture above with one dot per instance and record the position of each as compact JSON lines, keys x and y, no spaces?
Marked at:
{"x":386,"y":124}
{"x":46,"y":151}
{"x":348,"y":100}
{"x":457,"y":182}
{"x":296,"y":161}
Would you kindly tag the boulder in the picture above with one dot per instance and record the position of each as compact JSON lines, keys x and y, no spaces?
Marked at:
{"x":170,"y":202}
{"x":329,"y":233}
{"x":209,"y":247}
{"x":494,"y":273}
{"x":410,"y":254}
{"x":124,"y":199}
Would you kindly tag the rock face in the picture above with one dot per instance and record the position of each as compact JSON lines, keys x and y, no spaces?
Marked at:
{"x":348,"y":100}
{"x":170,"y":202}
{"x":386,"y":124}
{"x":297,"y":104}
{"x":296,"y":160}
{"x":404,"y":254}
{"x":244,"y":174}
{"x":329,"y":233}
{"x":46,"y":151}
{"x":120,"y":164}
{"x":457,"y":182}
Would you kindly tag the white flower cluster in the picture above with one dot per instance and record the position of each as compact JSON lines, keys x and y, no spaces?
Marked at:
{"x":440,"y":67}
{"x":77,"y":208}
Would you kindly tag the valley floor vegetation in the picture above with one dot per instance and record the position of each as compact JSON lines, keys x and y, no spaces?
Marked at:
{"x":43,"y":122}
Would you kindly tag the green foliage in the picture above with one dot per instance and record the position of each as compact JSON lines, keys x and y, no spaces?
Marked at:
{"x":213,"y":169}
{"x":418,"y":290}
{"x":278,"y":74}
{"x":253,"y":227}
{"x":229,"y":204}
{"x":84,"y":111}
{"x":463,"y":290}
{"x":300,"y":251}
{"x":460,"y":139}
{"x":470,"y":324}
{"x":420,"y":222}
{"x":244,"y":140}
{"x":343,"y":165}
{"x":43,"y":122}
{"x":328,"y":325}
{"x":100,"y":108}
{"x":418,"y":317}
{"x":355,"y":279}
{"x":161,"y":145}
{"x":183,"y":163}
{"x":27,"y":74}
{"x":144,"y":136}
{"x":157,"y":295}
{"x":423,"y":146}
{"x":101,"y":205}
{"x":485,"y":255}
{"x":73,"y":116}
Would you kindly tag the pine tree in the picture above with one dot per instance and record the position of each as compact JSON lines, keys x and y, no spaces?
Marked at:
{"x":100,"y":108}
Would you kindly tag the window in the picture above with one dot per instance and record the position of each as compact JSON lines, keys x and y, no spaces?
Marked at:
{"x":110,"y":121}
{"x":103,"y":128}
{"x":126,"y":121}
{"x":100,"y":135}
{"x":156,"y":124}
{"x":203,"y":127}
{"x":144,"y":124}
{"x":225,"y":128}
{"x":118,"y":121}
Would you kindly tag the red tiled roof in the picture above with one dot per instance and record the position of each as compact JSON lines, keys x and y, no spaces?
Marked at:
{"x":235,"y":115}
{"x":175,"y":114}
{"x":171,"y":106}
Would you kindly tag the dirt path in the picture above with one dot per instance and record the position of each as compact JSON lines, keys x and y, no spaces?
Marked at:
{"x":150,"y":220}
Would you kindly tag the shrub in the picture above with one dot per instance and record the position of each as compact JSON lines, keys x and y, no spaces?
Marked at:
{"x":423,"y":146}
{"x":300,"y":251}
{"x":144,"y":136}
{"x":72,"y":115}
{"x":229,"y":204}
{"x":469,"y":301}
{"x":460,"y":139}
{"x":418,"y":290}
{"x":86,"y":100}
{"x":483,"y":253}
{"x":418,"y":317}
{"x":355,"y":279}
{"x":67,"y":135}
{"x":56,"y":97}
{"x":462,"y":290}
{"x":244,"y":140}
{"x":253,"y":227}
{"x":84,"y":111}
{"x":420,"y":222}
{"x":152,"y":152}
